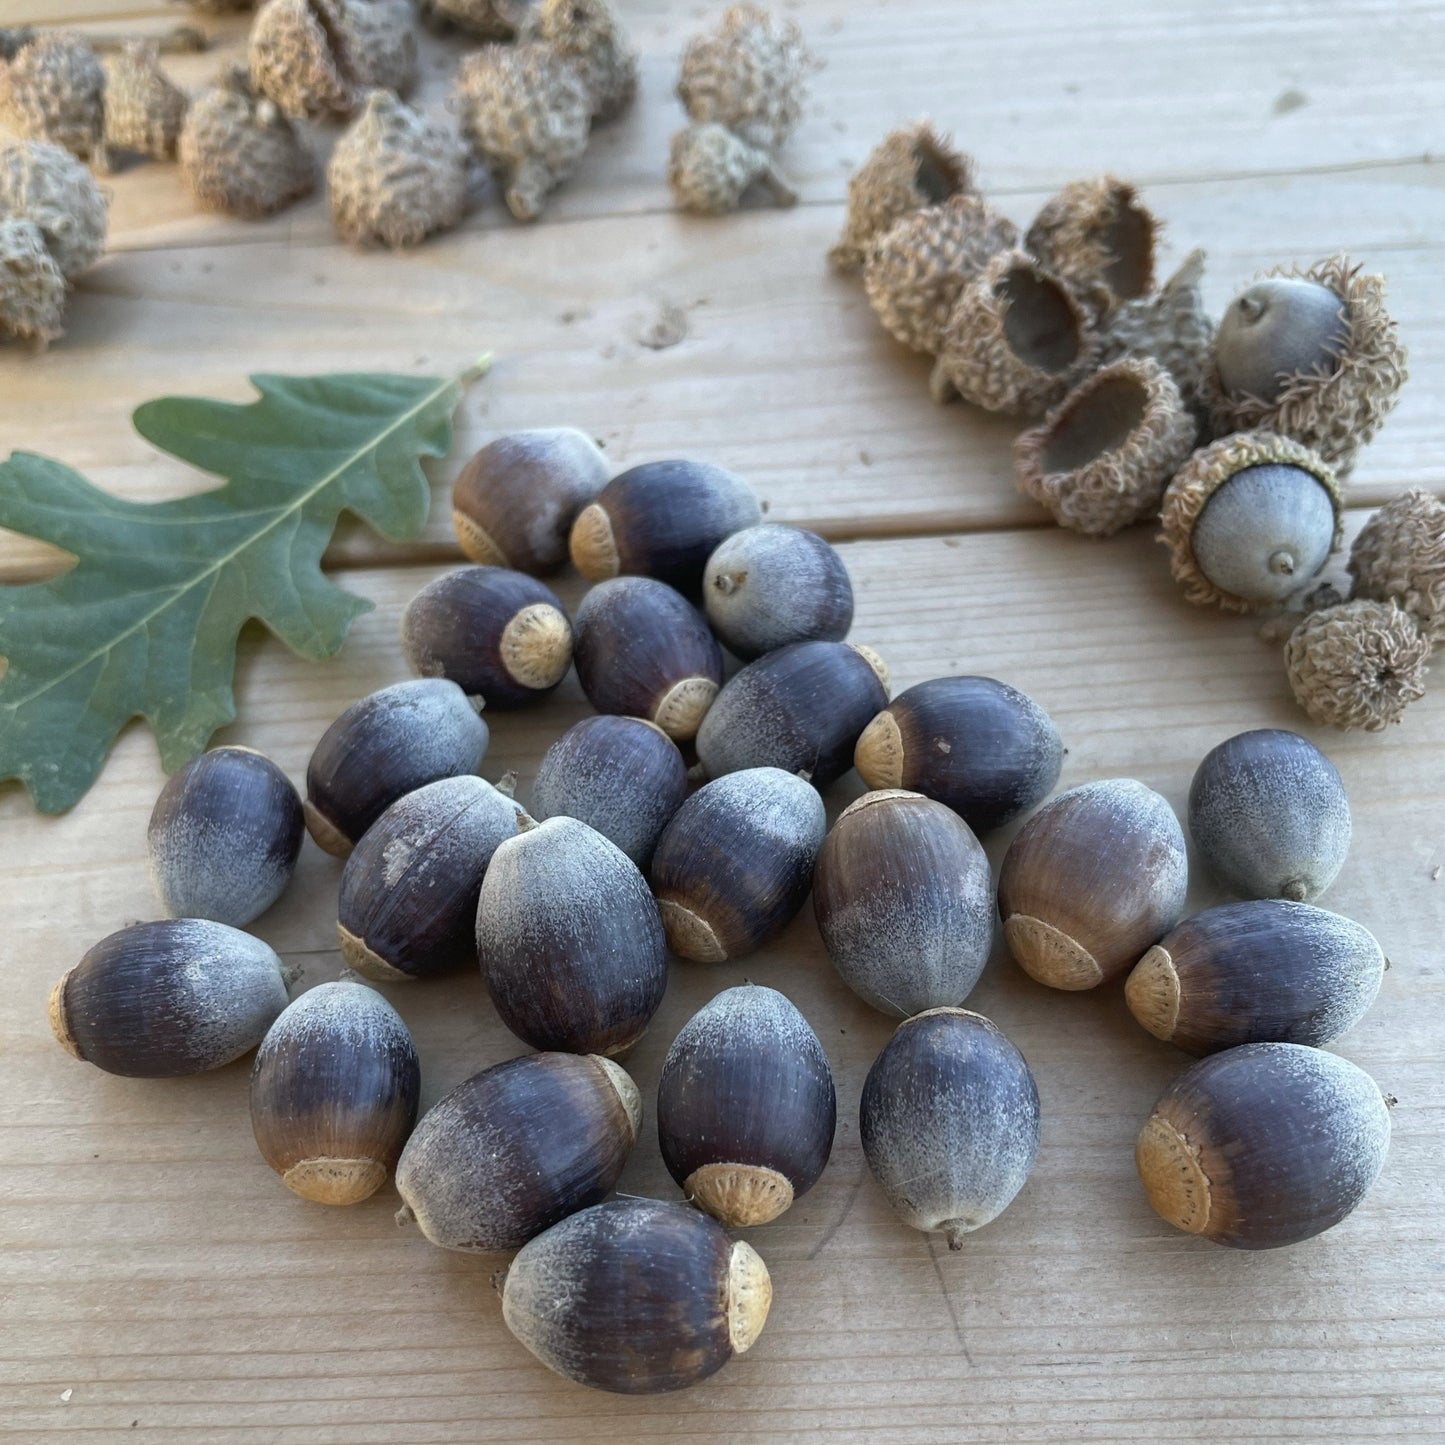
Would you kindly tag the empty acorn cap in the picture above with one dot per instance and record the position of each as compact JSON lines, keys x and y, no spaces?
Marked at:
{"x":1399,"y":556}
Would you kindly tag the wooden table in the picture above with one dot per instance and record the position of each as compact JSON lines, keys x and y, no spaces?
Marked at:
{"x":160,"y":1285}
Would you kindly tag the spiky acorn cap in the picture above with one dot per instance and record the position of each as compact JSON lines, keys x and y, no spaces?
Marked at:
{"x":1357,"y":665}
{"x":53,"y":90}
{"x":709,"y":169}
{"x":42,"y":183}
{"x":485,"y":19}
{"x":589,"y":34}
{"x":13,"y":39}
{"x":32,"y":288}
{"x":1399,"y":556}
{"x":911,"y":168}
{"x":144,"y":108}
{"x":916,"y":271}
{"x":1103,"y":456}
{"x":749,"y":75}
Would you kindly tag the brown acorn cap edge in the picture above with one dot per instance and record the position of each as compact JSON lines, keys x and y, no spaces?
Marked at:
{"x":689,"y":935}
{"x":1050,"y":956}
{"x":681,"y":709}
{"x":536,"y":646}
{"x":335,"y":1181}
{"x":877,"y":795}
{"x":1173,"y":1176}
{"x":627,"y":1090}
{"x":477,"y":542}
{"x":359,"y":955}
{"x":324,"y":833}
{"x":739,"y":1195}
{"x":592,"y":544}
{"x":750,"y":1296}
{"x":878,"y":754}
{"x":1152,"y":993}
{"x":60,"y":1019}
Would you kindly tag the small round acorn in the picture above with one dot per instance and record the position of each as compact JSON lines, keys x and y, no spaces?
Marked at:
{"x":981,"y":747}
{"x":1090,"y":881}
{"x":223,"y":837}
{"x":516,"y":1148}
{"x":949,"y":1122}
{"x":1269,"y":816}
{"x":643,"y":650}
{"x":498,"y":634}
{"x":636,"y":1297}
{"x":709,"y":170}
{"x":1399,"y":556}
{"x":48,"y":187}
{"x":734,"y":865}
{"x":904,"y":900}
{"x":1100,"y":237}
{"x":1265,"y":971}
{"x":1264,"y":1145}
{"x":334,"y":1093}
{"x":745,"y":1107}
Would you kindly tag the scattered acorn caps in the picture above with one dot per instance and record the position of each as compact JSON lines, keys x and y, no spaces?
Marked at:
{"x":1098,"y":235}
{"x":1269,"y":816}
{"x":1399,"y":556}
{"x":949,"y":1122}
{"x":180,"y":996}
{"x":1265,"y":971}
{"x":334,"y":1093}
{"x":637,"y":1297}
{"x":979,"y":746}
{"x":1264,"y":1145}
{"x":516,"y":1148}
{"x":904,"y":900}
{"x":224,"y":836}
{"x":745,"y":1106}
{"x":1090,"y":881}
{"x":498,"y":634}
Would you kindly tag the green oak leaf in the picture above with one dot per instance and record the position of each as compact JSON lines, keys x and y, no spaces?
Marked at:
{"x":145,"y":623}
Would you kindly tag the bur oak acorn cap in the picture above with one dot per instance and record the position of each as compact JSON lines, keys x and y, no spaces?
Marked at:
{"x":144,"y":108}
{"x":589,"y":34}
{"x":1399,"y":556}
{"x":53,"y":90}
{"x":485,"y":19}
{"x":33,"y":291}
{"x":709,"y":169}
{"x":48,"y":187}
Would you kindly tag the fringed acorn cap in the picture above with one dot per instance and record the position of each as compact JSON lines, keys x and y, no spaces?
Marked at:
{"x":47,"y":186}
{"x":1358,"y":665}
{"x":710,"y":168}
{"x":1018,"y":338}
{"x":589,"y":34}
{"x":32,"y":287}
{"x":484,"y":19}
{"x":144,"y":108}
{"x":53,"y":90}
{"x":1399,"y":557}
{"x":912,"y":167}
{"x":1285,"y":362}
{"x":1101,"y":459}
{"x":916,"y":271}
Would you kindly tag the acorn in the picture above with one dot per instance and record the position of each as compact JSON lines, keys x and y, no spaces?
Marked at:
{"x":1098,"y":235}
{"x":516,"y":1148}
{"x":622,"y":776}
{"x":408,"y":901}
{"x":949,"y":1122}
{"x":981,"y":747}
{"x":1249,"y":520}
{"x":570,"y":941}
{"x":709,"y":170}
{"x":904,"y":900}
{"x":663,"y":520}
{"x":636,"y":1297}
{"x":910,"y":169}
{"x":1265,"y":971}
{"x":223,"y":837}
{"x":514,"y":502}
{"x":1269,"y":816}
{"x":734,"y":865}
{"x":800,"y":708}
{"x":745,"y":1107}
{"x":33,"y":290}
{"x":497,"y":634}
{"x":53,"y":89}
{"x":48,"y":187}
{"x":1090,"y":881}
{"x":1399,"y":556}
{"x":1264,"y":1145}
{"x":1311,"y":354}
{"x":144,"y":107}
{"x":334,"y":1093}
{"x":643,"y":650}
{"x":158,"y":1000}
{"x":589,"y":35}
{"x":485,"y":19}
{"x":1102,"y":457}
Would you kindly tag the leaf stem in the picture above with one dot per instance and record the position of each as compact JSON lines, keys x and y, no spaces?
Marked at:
{"x":479,"y":368}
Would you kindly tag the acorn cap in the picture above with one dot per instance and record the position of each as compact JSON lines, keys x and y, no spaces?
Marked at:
{"x":335,"y":1181}
{"x":589,"y":34}
{"x":750,"y":1296}
{"x":48,"y":187}
{"x":709,"y":169}
{"x":742,"y":1195}
{"x":1102,"y":458}
{"x":486,"y":19}
{"x":144,"y":108}
{"x":32,"y":289}
{"x":1358,"y":665}
{"x":1399,"y":556}
{"x":1152,"y":992}
{"x":536,"y":646}
{"x":53,"y":90}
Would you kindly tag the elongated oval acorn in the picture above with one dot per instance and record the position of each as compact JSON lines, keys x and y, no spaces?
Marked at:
{"x":179,"y":996}
{"x":1269,"y":815}
{"x":622,"y":776}
{"x":334,"y":1093}
{"x":517,"y":1147}
{"x":570,"y":941}
{"x":380,"y":749}
{"x":949,"y":1121}
{"x":746,"y":1107}
{"x":1090,"y":881}
{"x":800,"y":708}
{"x":1265,"y":971}
{"x":663,"y":520}
{"x":223,"y":837}
{"x":498,"y":634}
{"x":734,"y":865}
{"x":408,"y":902}
{"x":981,"y":747}
{"x":904,"y":900}
{"x":1264,"y":1145}
{"x":637,"y":1297}
{"x":643,"y":650}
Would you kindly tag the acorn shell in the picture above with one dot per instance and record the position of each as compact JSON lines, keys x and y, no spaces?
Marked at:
{"x":1399,"y":556}
{"x":1098,"y":235}
{"x":1264,"y":1145}
{"x":745,"y":1106}
{"x":589,"y":35}
{"x":33,"y":290}
{"x":52,"y":89}
{"x":334,"y":1093}
{"x":52,"y":190}
{"x":710,"y":170}
{"x":516,"y":1148}
{"x":144,"y":108}
{"x":734,"y":865}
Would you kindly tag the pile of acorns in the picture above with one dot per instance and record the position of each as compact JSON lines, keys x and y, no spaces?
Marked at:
{"x":1234,"y":437}
{"x":570,"y":909}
